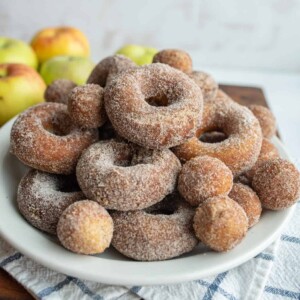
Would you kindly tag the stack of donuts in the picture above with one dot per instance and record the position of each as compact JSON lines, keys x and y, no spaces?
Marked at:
{"x":151,"y":159}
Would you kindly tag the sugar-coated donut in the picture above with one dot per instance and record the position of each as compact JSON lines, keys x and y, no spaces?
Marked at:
{"x":248,"y":200}
{"x":204,"y":177}
{"x":277,"y":184}
{"x":125,"y":177}
{"x":105,"y":71}
{"x":160,"y":232}
{"x":241,"y":148}
{"x":220,"y":223}
{"x":208,"y":85}
{"x":150,"y":126}
{"x":42,"y":197}
{"x":86,"y":106}
{"x":267,"y":151}
{"x":43,"y":137}
{"x":59,"y":90}
{"x":266,"y":120}
{"x":175,"y":58}
{"x":85,"y":227}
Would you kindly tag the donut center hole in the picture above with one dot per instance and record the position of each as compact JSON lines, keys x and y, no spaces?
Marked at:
{"x":162,"y":211}
{"x":168,"y":206}
{"x":60,"y":126}
{"x":68,"y":184}
{"x":158,"y":100}
{"x":212,"y":137}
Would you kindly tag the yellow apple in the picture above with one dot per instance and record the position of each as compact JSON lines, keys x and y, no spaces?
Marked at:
{"x":73,"y":68}
{"x":139,"y":54}
{"x":20,"y":87}
{"x":16,"y":51}
{"x":58,"y":41}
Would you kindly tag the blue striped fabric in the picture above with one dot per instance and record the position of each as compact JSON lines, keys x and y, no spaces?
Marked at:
{"x":272,"y":274}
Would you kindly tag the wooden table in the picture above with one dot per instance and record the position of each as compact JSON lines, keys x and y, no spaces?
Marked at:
{"x":11,"y":290}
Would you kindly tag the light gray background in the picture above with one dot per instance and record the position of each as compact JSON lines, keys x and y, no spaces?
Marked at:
{"x":260,"y":34}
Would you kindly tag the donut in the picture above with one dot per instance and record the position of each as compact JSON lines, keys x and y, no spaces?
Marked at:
{"x":86,"y":106}
{"x":240,"y":150}
{"x":59,"y":90}
{"x":266,"y":120}
{"x":220,"y":223}
{"x":175,"y":58}
{"x":150,"y":126}
{"x":248,"y":200}
{"x":204,"y":177}
{"x":85,"y":227}
{"x":108,"y":68}
{"x":42,"y":197}
{"x":44,"y":138}
{"x":277,"y":184}
{"x":160,"y":232}
{"x":267,"y":151}
{"x":208,"y":85}
{"x":124,"y":176}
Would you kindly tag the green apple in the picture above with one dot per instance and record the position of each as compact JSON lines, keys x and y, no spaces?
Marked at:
{"x":20,"y":87}
{"x":15,"y":51}
{"x":139,"y":54}
{"x":73,"y":68}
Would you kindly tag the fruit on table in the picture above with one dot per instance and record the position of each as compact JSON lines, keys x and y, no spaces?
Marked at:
{"x":73,"y":68}
{"x":16,"y":51}
{"x":58,"y":41}
{"x":139,"y":54}
{"x":20,"y":87}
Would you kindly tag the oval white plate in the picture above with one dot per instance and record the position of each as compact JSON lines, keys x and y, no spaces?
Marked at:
{"x":111,"y":267}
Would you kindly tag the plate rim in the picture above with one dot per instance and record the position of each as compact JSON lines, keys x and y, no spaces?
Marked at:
{"x":124,"y":277}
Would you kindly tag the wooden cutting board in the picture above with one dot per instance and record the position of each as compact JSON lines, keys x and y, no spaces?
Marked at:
{"x":11,"y":290}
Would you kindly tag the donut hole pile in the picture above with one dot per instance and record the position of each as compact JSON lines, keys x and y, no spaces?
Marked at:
{"x":151,"y":160}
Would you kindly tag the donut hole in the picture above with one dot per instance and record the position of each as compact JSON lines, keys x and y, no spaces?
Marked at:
{"x":158,"y":100}
{"x":59,"y":125}
{"x":212,"y":137}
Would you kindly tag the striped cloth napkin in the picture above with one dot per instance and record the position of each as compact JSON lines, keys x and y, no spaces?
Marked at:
{"x":273,"y":274}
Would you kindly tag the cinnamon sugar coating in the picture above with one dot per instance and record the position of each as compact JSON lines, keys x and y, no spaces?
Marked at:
{"x":277,"y":184}
{"x":42,"y":197}
{"x":175,"y":58}
{"x":85,"y":227}
{"x":204,"y":177}
{"x":86,"y":106}
{"x":208,"y":85}
{"x":220,"y":223}
{"x":43,"y":137}
{"x":248,"y":200}
{"x":124,"y":176}
{"x":59,"y":90}
{"x":240,"y":150}
{"x":174,"y":120}
{"x":109,"y":67}
{"x":266,"y":120}
{"x":160,"y":232}
{"x":267,"y":151}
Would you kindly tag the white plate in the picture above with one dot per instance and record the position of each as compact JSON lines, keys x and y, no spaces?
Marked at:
{"x":111,"y":267}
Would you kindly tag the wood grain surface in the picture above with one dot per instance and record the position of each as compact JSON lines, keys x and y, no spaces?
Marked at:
{"x":11,"y":290}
